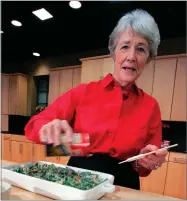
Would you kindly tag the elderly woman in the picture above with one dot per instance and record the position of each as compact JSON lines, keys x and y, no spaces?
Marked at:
{"x":121,"y":118}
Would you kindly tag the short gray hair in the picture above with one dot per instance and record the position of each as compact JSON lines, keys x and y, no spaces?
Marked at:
{"x":142,"y":23}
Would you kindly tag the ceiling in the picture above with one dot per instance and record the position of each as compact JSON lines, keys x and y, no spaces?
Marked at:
{"x":71,"y":30}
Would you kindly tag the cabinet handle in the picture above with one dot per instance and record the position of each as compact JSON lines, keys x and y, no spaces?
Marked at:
{"x":180,"y":160}
{"x":10,"y":146}
{"x":20,"y":148}
{"x":33,"y":150}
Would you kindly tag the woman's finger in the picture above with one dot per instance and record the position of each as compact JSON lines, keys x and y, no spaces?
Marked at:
{"x":68,"y":132}
{"x":57,"y":133}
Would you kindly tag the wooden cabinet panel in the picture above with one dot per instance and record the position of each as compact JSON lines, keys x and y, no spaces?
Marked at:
{"x":64,"y":160}
{"x":108,"y":66}
{"x":39,"y":152}
{"x":177,"y":157}
{"x":91,"y":70}
{"x":53,"y":159}
{"x":13,"y":85}
{"x":178,"y":112}
{"x":4,"y":93}
{"x":16,"y":151}
{"x":17,"y":101}
{"x":76,"y":76}
{"x":4,"y":122}
{"x":145,"y":81}
{"x":66,"y":80}
{"x":176,"y":181}
{"x":6,"y":149}
{"x":163,"y":85}
{"x":155,"y":182}
{"x":54,"y":82}
{"x":26,"y":152}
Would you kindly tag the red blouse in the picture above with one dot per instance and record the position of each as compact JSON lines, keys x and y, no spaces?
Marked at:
{"x":118,"y":126}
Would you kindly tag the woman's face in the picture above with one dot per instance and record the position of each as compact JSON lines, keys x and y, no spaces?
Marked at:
{"x":130,"y":56}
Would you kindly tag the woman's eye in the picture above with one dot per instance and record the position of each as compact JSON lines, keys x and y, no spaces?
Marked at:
{"x":124,"y":47}
{"x":141,"y":49}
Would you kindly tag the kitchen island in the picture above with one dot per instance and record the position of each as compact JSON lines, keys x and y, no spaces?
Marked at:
{"x":121,"y":193}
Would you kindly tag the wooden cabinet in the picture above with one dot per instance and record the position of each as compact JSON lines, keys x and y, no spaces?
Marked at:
{"x":94,"y":69}
{"x":145,"y":81}
{"x":4,"y":122}
{"x":4,"y":93}
{"x":61,"y":80}
{"x":66,"y":80}
{"x":176,"y":176}
{"x":178,"y":112}
{"x":39,"y":152}
{"x":155,"y":182}
{"x":6,"y":147}
{"x":163,"y":84}
{"x":17,"y":101}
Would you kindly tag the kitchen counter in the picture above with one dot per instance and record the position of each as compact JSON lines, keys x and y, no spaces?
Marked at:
{"x":121,"y":193}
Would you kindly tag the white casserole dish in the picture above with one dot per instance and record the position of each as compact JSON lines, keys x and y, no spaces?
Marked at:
{"x":55,"y":190}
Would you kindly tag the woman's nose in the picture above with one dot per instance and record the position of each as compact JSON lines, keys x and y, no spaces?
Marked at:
{"x":131,"y":55}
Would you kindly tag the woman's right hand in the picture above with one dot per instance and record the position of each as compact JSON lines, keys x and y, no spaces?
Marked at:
{"x":56,"y":132}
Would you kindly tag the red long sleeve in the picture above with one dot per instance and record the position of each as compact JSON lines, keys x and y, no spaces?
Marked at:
{"x":62,"y":108}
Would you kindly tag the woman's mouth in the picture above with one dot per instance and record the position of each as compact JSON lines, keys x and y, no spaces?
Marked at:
{"x":129,"y":69}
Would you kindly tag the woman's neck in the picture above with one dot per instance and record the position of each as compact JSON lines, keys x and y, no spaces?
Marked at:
{"x":123,"y":84}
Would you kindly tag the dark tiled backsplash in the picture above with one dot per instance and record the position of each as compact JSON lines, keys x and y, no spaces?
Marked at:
{"x":175,"y":132}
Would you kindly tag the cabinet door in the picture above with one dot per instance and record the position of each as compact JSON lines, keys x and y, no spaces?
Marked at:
{"x":54,"y":77}
{"x":178,"y":112}
{"x":176,"y":181}
{"x":155,"y":182}
{"x":16,"y":151}
{"x":76,"y":77}
{"x":92,"y":70}
{"x":66,"y":80}
{"x":39,"y":152}
{"x":21,"y":108}
{"x":163,"y":85}
{"x":26,"y":152}
{"x":13,"y":96}
{"x":6,"y":150}
{"x":145,"y":81}
{"x":108,"y":66}
{"x":4,"y":122}
{"x":4,"y":91}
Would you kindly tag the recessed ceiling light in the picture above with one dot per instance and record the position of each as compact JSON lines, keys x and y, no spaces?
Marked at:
{"x":16,"y":23}
{"x":42,"y":14}
{"x":75,"y":4}
{"x":1,"y":32}
{"x":36,"y":54}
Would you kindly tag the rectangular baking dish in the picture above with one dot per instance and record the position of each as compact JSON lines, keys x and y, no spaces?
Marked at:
{"x":55,"y":190}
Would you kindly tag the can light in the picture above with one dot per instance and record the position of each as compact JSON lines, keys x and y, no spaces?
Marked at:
{"x":75,"y":4}
{"x":1,"y":32}
{"x":16,"y":23}
{"x":36,"y":54}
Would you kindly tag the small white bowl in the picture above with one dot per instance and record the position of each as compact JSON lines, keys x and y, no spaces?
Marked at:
{"x":5,"y":190}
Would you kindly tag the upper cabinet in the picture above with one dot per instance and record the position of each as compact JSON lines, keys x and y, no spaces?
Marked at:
{"x":145,"y":81}
{"x":18,"y":94}
{"x":163,"y":84}
{"x":178,"y":112}
{"x":94,"y":69}
{"x":4,"y":93}
{"x":63,"y":79}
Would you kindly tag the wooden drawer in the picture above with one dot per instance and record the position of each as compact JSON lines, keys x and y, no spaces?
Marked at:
{"x":5,"y":136}
{"x":177,"y":157}
{"x":20,"y":138}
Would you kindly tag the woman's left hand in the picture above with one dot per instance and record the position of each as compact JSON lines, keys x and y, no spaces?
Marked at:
{"x":152,"y":161}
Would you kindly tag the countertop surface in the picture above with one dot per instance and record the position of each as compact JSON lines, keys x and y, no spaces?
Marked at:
{"x":121,"y":193}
